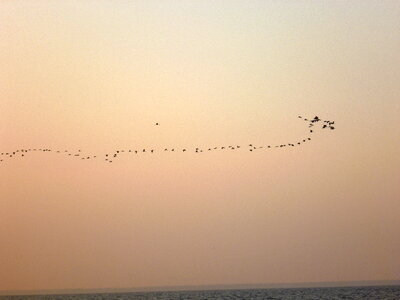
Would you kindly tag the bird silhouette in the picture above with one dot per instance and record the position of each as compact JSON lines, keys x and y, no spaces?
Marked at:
{"x":22,"y":152}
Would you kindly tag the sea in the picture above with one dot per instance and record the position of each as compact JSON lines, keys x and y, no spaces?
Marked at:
{"x":328,"y":293}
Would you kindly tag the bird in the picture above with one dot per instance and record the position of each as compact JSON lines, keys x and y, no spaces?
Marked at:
{"x":23,"y":151}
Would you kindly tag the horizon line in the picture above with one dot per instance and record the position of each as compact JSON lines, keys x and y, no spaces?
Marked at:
{"x":201,"y":287}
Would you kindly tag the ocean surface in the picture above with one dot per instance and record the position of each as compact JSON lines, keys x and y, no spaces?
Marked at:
{"x":328,"y":293}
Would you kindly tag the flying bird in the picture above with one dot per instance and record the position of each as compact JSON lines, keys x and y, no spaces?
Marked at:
{"x":12,"y":154}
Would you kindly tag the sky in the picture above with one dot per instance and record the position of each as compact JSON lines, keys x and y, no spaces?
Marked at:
{"x":96,"y":76}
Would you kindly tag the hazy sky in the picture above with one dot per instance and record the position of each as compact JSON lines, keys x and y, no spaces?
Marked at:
{"x":97,"y":75}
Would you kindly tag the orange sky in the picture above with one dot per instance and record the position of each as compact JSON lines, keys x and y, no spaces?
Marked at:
{"x":96,"y":76}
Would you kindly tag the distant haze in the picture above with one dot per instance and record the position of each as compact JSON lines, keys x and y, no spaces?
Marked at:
{"x":97,"y":76}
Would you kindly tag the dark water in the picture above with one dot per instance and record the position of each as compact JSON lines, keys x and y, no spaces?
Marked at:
{"x":382,"y":292}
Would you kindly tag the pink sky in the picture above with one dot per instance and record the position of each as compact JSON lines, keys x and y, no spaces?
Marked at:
{"x":97,"y":76}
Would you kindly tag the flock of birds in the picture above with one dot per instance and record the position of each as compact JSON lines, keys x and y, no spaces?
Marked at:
{"x":110,"y":157}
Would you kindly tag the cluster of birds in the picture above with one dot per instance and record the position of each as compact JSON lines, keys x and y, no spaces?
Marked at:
{"x":329,"y":124}
{"x":110,"y":157}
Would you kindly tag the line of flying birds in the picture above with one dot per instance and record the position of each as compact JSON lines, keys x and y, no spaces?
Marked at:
{"x":110,"y":157}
